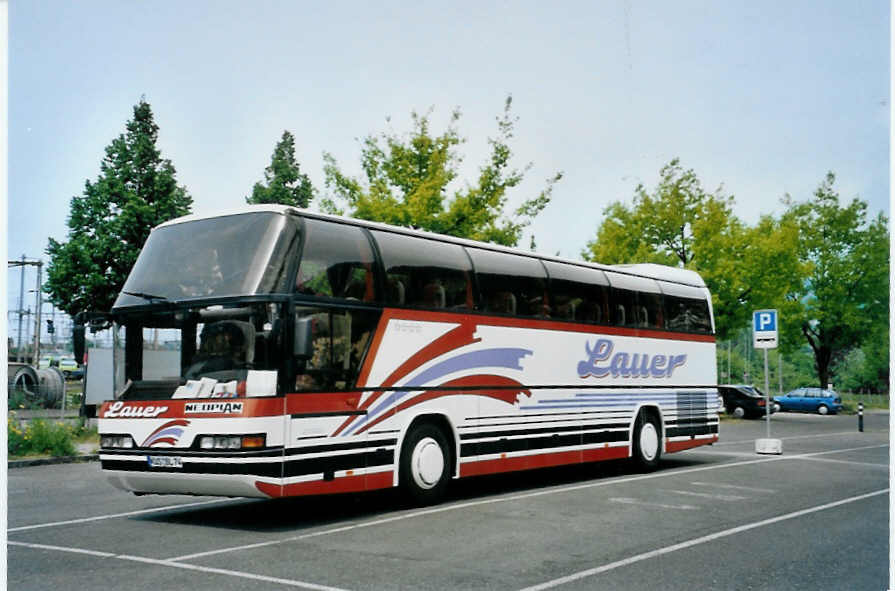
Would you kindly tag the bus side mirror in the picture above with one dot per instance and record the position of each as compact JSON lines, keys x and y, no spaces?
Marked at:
{"x":303,"y":345}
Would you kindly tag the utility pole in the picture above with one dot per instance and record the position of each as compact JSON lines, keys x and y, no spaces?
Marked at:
{"x":35,"y":360}
{"x":21,"y":304}
{"x":23,"y":263}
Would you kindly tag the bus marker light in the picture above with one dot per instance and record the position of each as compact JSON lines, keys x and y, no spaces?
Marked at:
{"x":253,"y":441}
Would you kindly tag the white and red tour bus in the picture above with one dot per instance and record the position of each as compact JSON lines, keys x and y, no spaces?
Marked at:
{"x":277,"y":352}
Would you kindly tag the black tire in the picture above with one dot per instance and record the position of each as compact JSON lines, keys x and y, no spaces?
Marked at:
{"x":647,"y":442}
{"x":425,"y":467}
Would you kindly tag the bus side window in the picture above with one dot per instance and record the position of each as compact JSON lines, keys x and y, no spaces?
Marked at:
{"x":336,"y":262}
{"x":687,"y":315}
{"x":423,"y":273}
{"x":339,"y":342}
{"x":577,"y":293}
{"x":510,"y":284}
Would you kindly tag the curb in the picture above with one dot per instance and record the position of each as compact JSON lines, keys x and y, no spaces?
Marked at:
{"x":51,"y":461}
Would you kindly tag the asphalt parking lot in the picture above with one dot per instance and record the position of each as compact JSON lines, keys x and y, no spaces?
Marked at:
{"x":720,"y":517}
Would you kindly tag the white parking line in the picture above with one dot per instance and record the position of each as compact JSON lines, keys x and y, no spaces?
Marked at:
{"x":114,"y":515}
{"x":735,"y":487}
{"x":530,"y":495}
{"x":695,"y":541}
{"x":193,"y":567}
{"x":783,"y":438}
{"x":870,"y":464}
{"x":717,"y":497}
{"x":629,"y":501}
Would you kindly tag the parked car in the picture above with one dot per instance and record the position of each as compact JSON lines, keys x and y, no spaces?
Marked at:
{"x":744,"y":401}
{"x":69,"y":367}
{"x":46,"y":361}
{"x":810,"y":400}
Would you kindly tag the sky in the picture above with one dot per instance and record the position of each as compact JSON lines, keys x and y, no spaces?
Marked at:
{"x":762,"y":98}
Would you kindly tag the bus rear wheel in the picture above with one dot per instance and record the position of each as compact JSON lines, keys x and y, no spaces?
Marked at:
{"x":647,"y":441}
{"x":425,"y":464}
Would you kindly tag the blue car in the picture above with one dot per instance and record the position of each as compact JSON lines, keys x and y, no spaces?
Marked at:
{"x":810,"y":400}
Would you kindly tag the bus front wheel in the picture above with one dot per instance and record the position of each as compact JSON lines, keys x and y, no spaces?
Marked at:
{"x":425,"y":464}
{"x":647,"y":441}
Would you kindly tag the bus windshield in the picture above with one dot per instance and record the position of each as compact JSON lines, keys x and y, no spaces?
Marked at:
{"x":199,"y":351}
{"x":223,"y":256}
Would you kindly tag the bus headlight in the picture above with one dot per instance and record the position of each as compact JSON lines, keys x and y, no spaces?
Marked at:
{"x":209,"y":442}
{"x":116,"y":442}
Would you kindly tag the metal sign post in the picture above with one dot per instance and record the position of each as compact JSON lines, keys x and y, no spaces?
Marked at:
{"x":764,"y":336}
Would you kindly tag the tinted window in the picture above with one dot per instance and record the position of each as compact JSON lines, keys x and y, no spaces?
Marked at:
{"x":578,"y":293}
{"x":623,"y":307}
{"x":509,"y":284}
{"x":687,"y":315}
{"x":336,"y":262}
{"x":635,"y":301}
{"x":424,"y":273}
{"x":221,"y":256}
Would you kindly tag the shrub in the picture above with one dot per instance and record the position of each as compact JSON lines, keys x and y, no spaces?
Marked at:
{"x":39,"y":437}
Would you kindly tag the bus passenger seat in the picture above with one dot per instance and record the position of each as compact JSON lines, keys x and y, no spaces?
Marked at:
{"x":503,"y":302}
{"x":395,"y":291}
{"x":619,"y":315}
{"x":433,"y":295}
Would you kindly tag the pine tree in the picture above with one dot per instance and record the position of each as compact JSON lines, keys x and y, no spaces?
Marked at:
{"x":285,"y":183}
{"x":108,"y":224}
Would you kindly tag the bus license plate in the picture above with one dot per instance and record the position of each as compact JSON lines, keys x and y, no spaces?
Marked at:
{"x":165,"y":461}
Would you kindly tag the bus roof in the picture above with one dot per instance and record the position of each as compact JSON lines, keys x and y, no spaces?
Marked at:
{"x":649,"y":270}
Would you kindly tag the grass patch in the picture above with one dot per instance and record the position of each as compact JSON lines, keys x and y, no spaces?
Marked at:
{"x":871,"y":401}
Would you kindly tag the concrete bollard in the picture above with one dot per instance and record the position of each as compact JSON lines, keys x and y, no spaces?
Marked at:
{"x":861,"y":417}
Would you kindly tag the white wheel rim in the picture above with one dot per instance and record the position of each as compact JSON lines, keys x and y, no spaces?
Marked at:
{"x":822,"y":410}
{"x":738,"y":412}
{"x":427,"y":463}
{"x":649,"y":441}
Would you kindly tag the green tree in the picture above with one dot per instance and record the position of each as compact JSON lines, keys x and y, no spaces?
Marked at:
{"x":284,"y":182}
{"x":845,"y":293}
{"x":409,"y":181}
{"x":108,"y":224}
{"x":681,"y":224}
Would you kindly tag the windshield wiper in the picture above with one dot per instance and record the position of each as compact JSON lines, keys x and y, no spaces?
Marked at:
{"x":146,"y":296}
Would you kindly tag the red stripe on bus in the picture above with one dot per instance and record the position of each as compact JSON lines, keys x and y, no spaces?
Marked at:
{"x":345,"y":484}
{"x":251,"y":407}
{"x":673,"y":446}
{"x":324,"y":402}
{"x":481,"y":467}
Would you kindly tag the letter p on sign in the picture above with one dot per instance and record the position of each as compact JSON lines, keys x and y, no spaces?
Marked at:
{"x":764,"y":329}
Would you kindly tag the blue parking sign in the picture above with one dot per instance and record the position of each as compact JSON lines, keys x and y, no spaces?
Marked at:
{"x":765,"y":320}
{"x":764,"y":329}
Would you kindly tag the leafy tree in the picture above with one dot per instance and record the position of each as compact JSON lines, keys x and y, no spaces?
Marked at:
{"x":679,"y":224}
{"x":408,"y":181}
{"x":845,"y":294}
{"x":284,"y":182}
{"x":108,"y":224}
